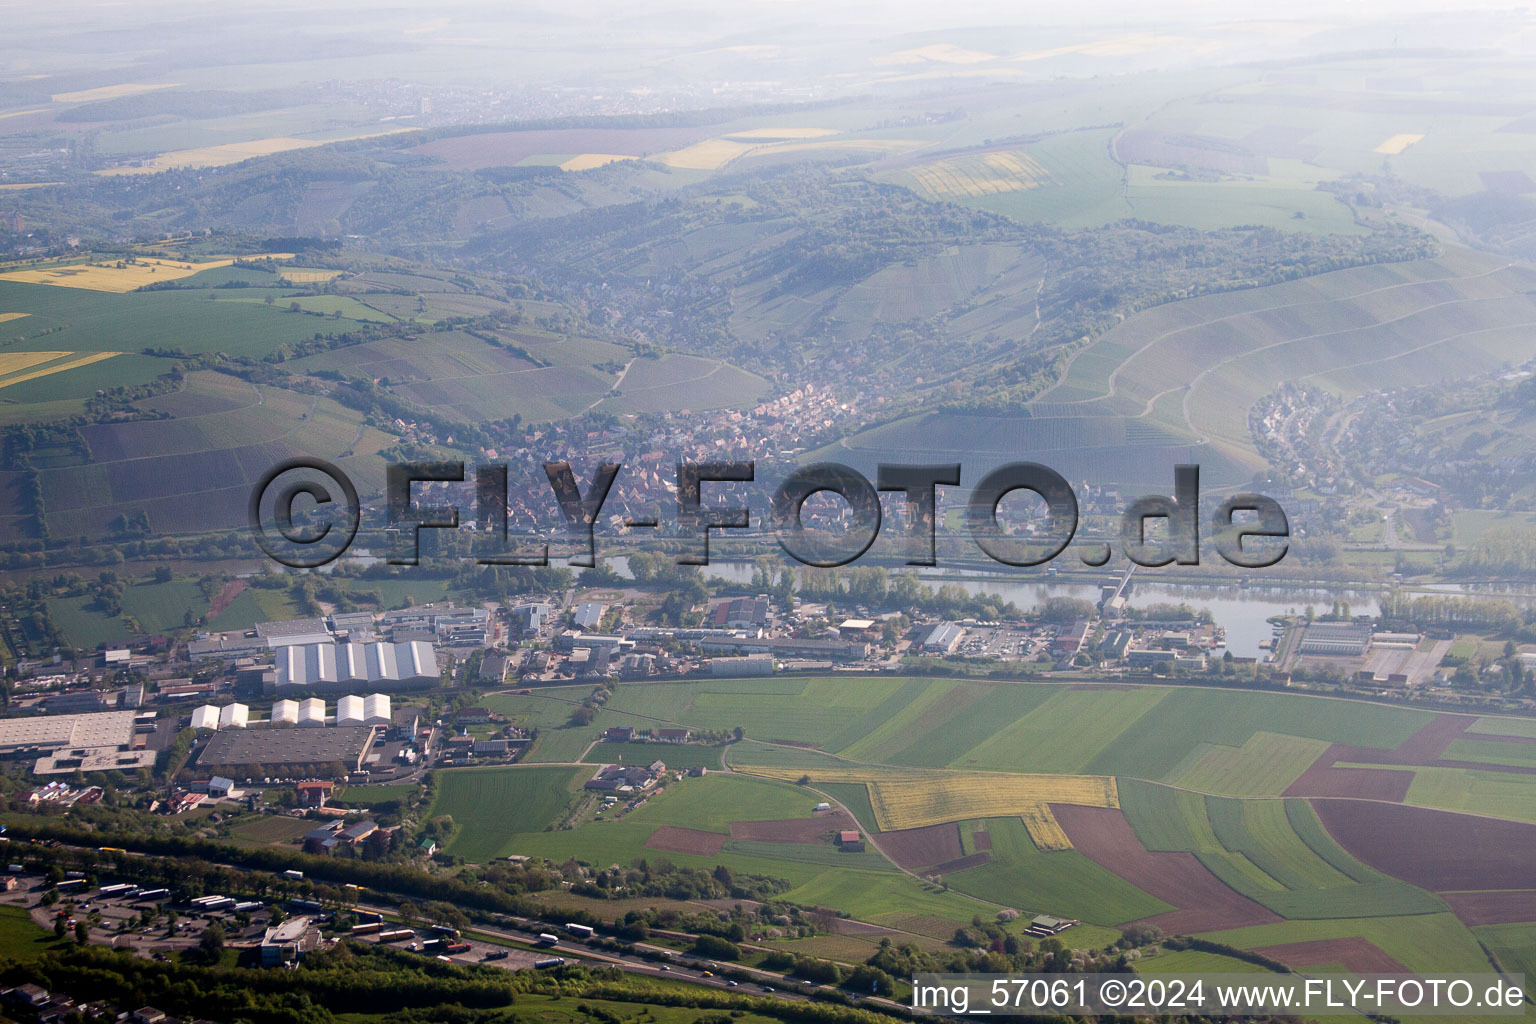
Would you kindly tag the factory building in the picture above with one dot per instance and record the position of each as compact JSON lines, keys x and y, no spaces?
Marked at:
{"x":337,"y":667}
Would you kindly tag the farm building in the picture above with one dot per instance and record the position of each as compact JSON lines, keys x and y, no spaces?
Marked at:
{"x":1336,"y":640}
{"x":1045,"y":925}
{"x":850,"y":841}
{"x":672,"y":735}
{"x":285,"y":713}
{"x":314,"y":792}
{"x":334,"y":667}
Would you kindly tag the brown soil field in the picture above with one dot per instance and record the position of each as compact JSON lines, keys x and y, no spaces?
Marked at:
{"x":975,"y":860}
{"x":1205,"y":902}
{"x":225,"y":597}
{"x":1322,"y":779}
{"x":915,"y":848}
{"x":983,"y":840}
{"x":794,"y":830}
{"x":1358,"y":955}
{"x":1493,"y":907}
{"x":685,"y":840}
{"x":503,"y":149}
{"x":1438,"y":850}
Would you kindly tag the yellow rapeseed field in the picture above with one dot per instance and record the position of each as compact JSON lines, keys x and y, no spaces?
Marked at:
{"x":110,"y":277}
{"x":1397,"y":143}
{"x":980,"y":175}
{"x":15,"y":362}
{"x":109,"y":92}
{"x":85,"y":359}
{"x":783,"y":133}
{"x":12,"y":316}
{"x":587,"y":161}
{"x":914,"y":798}
{"x":709,"y":155}
{"x":306,"y":276}
{"x":1044,"y":829}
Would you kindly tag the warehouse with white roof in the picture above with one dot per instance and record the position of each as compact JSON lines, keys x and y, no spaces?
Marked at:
{"x":205,"y":717}
{"x":336,"y":667}
{"x":349,"y":711}
{"x":285,"y":713}
{"x":234,"y":716}
{"x":311,"y":713}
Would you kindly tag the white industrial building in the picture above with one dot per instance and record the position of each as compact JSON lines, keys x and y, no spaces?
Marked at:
{"x":285,"y":713}
{"x":331,"y":667}
{"x":376,"y":710}
{"x":205,"y":717}
{"x":234,"y":716}
{"x":311,"y":713}
{"x":349,"y":711}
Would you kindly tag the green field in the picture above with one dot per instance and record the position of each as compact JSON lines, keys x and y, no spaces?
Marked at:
{"x":1515,"y":755}
{"x":1275,"y":852}
{"x":675,"y":755}
{"x":21,"y":938}
{"x":490,"y":806}
{"x":157,"y":607}
{"x":1500,"y":794}
{"x":1515,"y":946}
{"x":1064,"y":883}
{"x":1425,"y":943}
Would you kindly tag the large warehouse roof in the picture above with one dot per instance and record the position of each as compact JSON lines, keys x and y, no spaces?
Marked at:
{"x":287,"y":746}
{"x":319,"y":664}
{"x":106,"y":729}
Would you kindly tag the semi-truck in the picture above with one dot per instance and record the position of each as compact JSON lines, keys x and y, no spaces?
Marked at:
{"x":581,"y":931}
{"x":546,"y":939}
{"x":549,"y":961}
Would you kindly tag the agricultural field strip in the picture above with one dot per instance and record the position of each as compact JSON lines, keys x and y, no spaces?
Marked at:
{"x":1110,"y":383}
{"x":85,"y":359}
{"x":908,"y":798}
{"x":1275,"y":852}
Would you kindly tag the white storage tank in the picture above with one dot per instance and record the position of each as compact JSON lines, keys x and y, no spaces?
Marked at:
{"x":311,"y":713}
{"x":349,"y":711}
{"x":234,"y":716}
{"x":285,"y":713}
{"x":205,"y":717}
